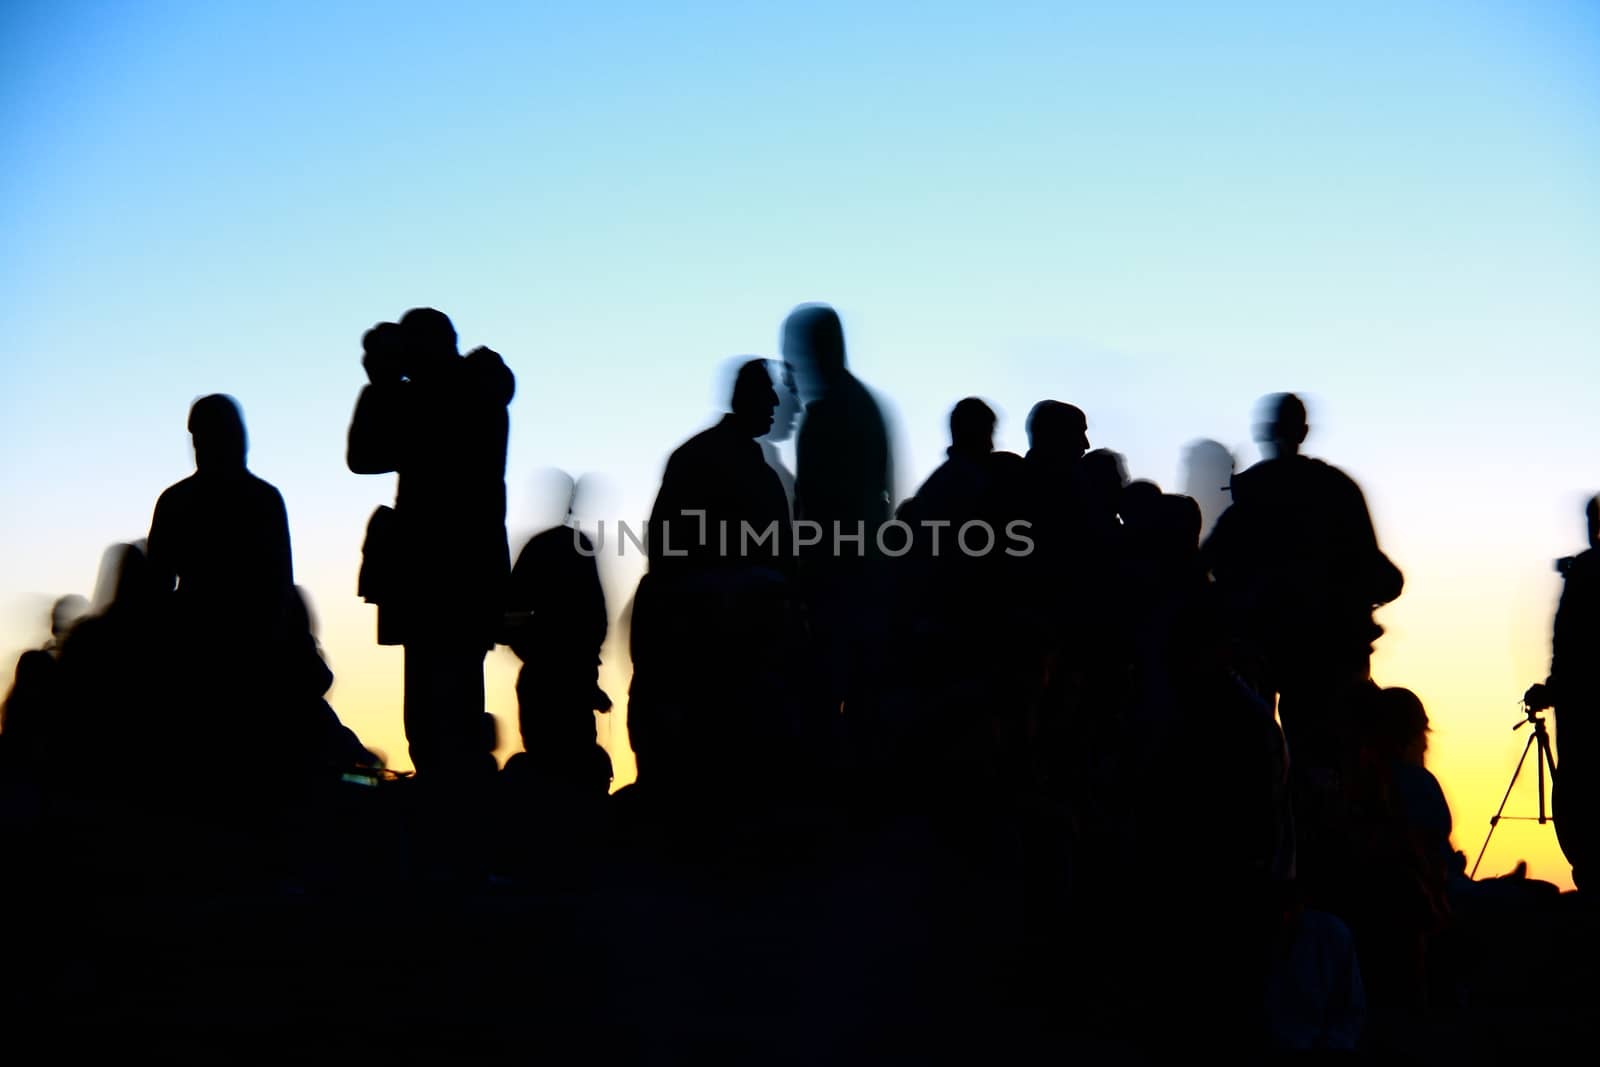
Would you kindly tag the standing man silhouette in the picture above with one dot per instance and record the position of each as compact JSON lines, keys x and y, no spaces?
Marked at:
{"x":843,"y":482}
{"x":221,"y":536}
{"x":439,"y":564}
{"x":1573,"y":689}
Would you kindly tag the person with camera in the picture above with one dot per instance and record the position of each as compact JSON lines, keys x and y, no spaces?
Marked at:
{"x":1573,"y":690}
{"x":438,"y":562}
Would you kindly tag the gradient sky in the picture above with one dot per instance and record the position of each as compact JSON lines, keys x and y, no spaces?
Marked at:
{"x":1159,"y":212}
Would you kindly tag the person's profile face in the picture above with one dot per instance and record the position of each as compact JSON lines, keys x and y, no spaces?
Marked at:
{"x":788,"y":408}
{"x":769,"y":405}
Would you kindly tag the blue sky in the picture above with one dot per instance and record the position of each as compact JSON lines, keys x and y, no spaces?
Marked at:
{"x":1157,"y":211}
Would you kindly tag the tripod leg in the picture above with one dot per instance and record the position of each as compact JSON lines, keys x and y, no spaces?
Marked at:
{"x":1550,"y":761}
{"x":1539,"y":762}
{"x":1495,"y":820}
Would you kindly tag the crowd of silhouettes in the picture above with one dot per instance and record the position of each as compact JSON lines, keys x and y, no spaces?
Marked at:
{"x":1151,"y":714}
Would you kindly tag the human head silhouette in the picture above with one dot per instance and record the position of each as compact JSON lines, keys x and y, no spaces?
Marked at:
{"x":754,"y":399}
{"x":1058,"y":430}
{"x":1395,"y":724}
{"x":217,"y":427}
{"x":383,"y":352}
{"x":551,"y":496}
{"x":1181,"y":522}
{"x":972,"y":428}
{"x":429,"y":340}
{"x":1281,"y":425}
{"x":124,"y":584}
{"x":1100,"y":478}
{"x":813,"y":343}
{"x":65,"y":612}
{"x":1140,"y":505}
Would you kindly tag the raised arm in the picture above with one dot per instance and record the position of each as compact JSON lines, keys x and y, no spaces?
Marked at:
{"x":374,"y":445}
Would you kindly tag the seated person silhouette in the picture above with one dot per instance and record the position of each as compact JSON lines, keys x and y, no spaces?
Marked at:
{"x":312,"y":741}
{"x":556,"y":624}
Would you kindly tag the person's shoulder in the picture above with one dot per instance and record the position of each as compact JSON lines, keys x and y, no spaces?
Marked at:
{"x":1327,"y":470}
{"x":262,"y":488}
{"x":1248,"y":480}
{"x":178,"y":493}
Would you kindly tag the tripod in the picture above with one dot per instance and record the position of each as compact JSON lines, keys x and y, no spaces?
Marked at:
{"x":1544,"y":758}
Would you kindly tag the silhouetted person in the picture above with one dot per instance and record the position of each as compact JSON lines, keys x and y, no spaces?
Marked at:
{"x":437,"y":568}
{"x":556,"y":624}
{"x":124,"y":718}
{"x":959,"y":490}
{"x":717,"y":484}
{"x":959,"y":594}
{"x":708,"y":665}
{"x":1298,"y":562}
{"x":1573,"y":689}
{"x":843,"y":482}
{"x":845,"y":470}
{"x":33,"y":706}
{"x":312,"y":741}
{"x":1207,"y":475}
{"x":957,"y":486}
{"x":222,"y":537}
{"x":1215,"y":759}
{"x":1058,"y":437}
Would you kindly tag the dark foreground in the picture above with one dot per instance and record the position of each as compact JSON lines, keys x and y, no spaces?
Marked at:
{"x":649,"y":932}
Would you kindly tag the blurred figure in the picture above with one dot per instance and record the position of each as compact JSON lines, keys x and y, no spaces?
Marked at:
{"x":845,"y":469}
{"x":222,"y":537}
{"x":32,"y":707}
{"x":438,"y":563}
{"x":556,"y":623}
{"x":122,"y":721}
{"x":1573,"y":689}
{"x":64,"y":615}
{"x":1207,"y":475}
{"x":844,"y":484}
{"x":1298,"y":562}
